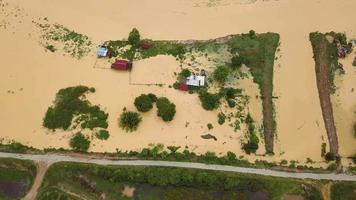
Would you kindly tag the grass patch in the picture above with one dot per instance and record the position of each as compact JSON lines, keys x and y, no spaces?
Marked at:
{"x":71,"y":102}
{"x":331,"y":57}
{"x":343,"y":191}
{"x":258,"y":53}
{"x":164,"y":183}
{"x":16,"y":177}
{"x":57,"y":36}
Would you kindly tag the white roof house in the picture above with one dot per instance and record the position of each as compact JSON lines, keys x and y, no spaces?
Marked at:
{"x":196,"y":80}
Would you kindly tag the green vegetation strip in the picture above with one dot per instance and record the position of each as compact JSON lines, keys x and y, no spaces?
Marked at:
{"x":90,"y":181}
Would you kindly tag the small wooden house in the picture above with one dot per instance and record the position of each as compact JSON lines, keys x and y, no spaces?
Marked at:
{"x":121,"y":65}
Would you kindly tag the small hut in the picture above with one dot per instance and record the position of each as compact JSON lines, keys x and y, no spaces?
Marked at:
{"x":102,"y":52}
{"x":194,"y":80}
{"x":121,"y":65}
{"x":183,"y":87}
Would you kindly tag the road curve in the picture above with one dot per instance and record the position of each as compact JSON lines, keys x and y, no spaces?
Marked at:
{"x":53,"y":158}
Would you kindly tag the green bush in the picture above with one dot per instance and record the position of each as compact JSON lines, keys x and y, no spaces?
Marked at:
{"x":330,"y":156}
{"x":79,"y":142}
{"x":231,"y":103}
{"x":134,"y":37}
{"x":210,"y":126}
{"x":71,"y":102}
{"x":129,"y":121}
{"x":165,"y":109}
{"x":209,"y":101}
{"x":252,"y":34}
{"x":343,"y":191}
{"x":236,"y":62}
{"x":252,"y":145}
{"x":94,"y":118}
{"x":353,"y":158}
{"x":332,"y":167}
{"x":153,"y":97}
{"x":221,"y":118}
{"x":221,"y":74}
{"x":102,"y":135}
{"x":177,"y":50}
{"x":185,"y":73}
{"x":323,"y":149}
{"x":144,"y":103}
{"x":230,"y":93}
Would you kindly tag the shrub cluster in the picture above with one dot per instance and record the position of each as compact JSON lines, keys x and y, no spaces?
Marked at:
{"x":221,"y":118}
{"x":252,"y":145}
{"x":209,"y":101}
{"x":236,"y":62}
{"x":71,"y":102}
{"x":144,"y":103}
{"x":79,"y":142}
{"x":165,"y":109}
{"x":129,"y":121}
{"x":102,"y":134}
{"x":221,"y":74}
{"x":134,"y":37}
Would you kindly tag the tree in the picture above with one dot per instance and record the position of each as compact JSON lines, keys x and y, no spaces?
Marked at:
{"x":209,"y":101}
{"x":252,"y":145}
{"x":134,"y":37}
{"x":221,"y":118}
{"x":185,"y":73}
{"x":221,"y":73}
{"x":153,"y":97}
{"x":330,"y":156}
{"x":236,"y":62}
{"x":231,"y":103}
{"x":129,"y":121}
{"x":79,"y":142}
{"x":252,"y":34}
{"x":165,"y":109}
{"x":102,"y":135}
{"x":144,"y":103}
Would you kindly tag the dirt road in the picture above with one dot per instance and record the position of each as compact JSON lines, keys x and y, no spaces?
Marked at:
{"x":322,"y":68}
{"x":53,"y":158}
{"x":42,"y":167}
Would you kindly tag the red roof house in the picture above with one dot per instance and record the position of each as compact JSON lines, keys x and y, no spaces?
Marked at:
{"x":121,"y":65}
{"x":145,"y":45}
{"x":183,"y":87}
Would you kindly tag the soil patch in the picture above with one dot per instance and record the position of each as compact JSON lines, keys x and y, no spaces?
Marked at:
{"x":323,"y":62}
{"x":12,"y":189}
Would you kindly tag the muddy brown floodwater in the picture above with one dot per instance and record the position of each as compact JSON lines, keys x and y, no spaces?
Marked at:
{"x":30,"y":77}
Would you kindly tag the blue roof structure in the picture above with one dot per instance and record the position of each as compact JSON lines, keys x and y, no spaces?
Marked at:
{"x":102,"y":52}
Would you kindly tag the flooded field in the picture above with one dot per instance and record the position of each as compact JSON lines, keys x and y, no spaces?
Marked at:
{"x":30,"y":76}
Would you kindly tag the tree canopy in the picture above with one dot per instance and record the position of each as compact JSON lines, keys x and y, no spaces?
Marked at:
{"x":134,"y":37}
{"x":165,"y":109}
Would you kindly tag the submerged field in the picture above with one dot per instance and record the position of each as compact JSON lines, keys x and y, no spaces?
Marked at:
{"x":32,"y":72}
